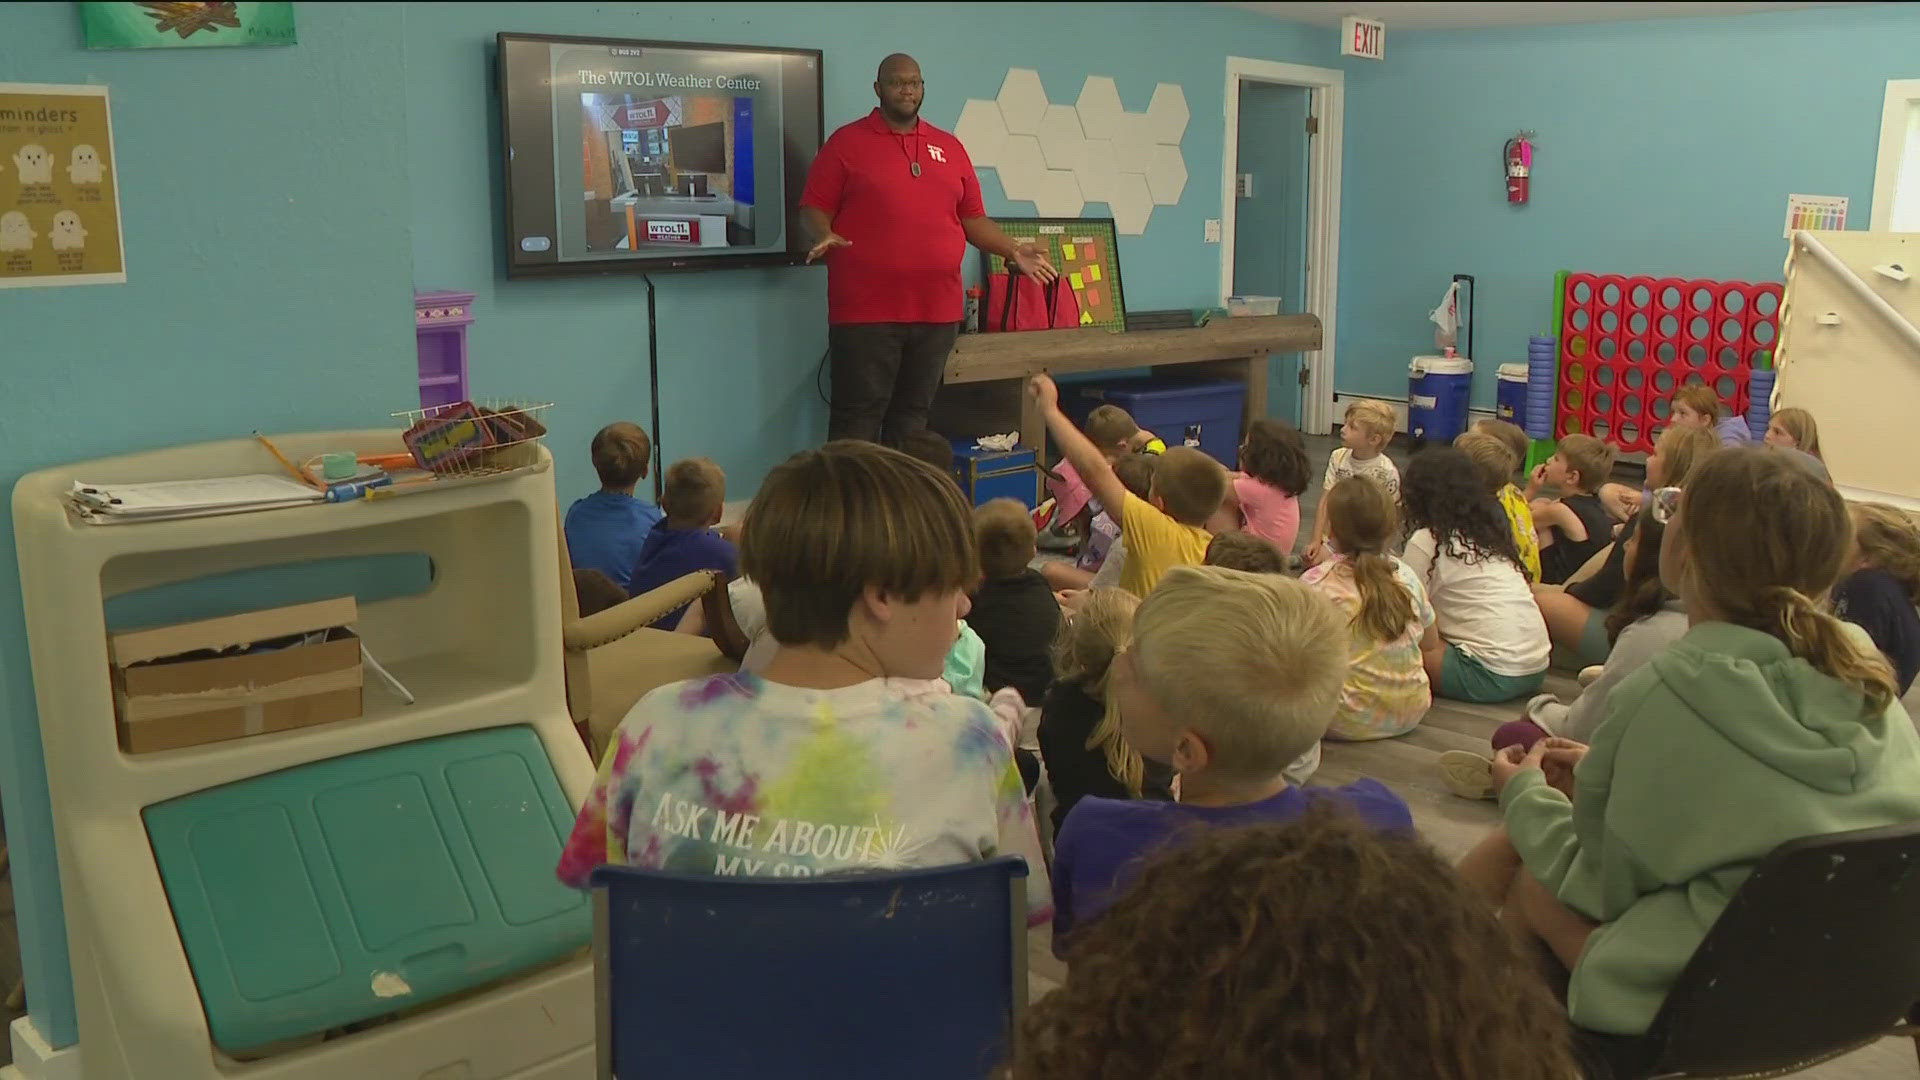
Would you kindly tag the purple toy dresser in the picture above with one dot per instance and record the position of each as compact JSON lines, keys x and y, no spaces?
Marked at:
{"x":440,"y":321}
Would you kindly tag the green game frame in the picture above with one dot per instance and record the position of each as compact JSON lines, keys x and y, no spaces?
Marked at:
{"x":1050,"y":233}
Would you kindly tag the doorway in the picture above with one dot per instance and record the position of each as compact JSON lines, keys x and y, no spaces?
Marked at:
{"x":1271,"y":184}
{"x":1280,"y":227}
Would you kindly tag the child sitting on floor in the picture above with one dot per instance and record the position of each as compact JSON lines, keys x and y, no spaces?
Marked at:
{"x":1265,"y":497}
{"x":825,"y":763}
{"x":1793,"y":429}
{"x":1112,"y":429}
{"x":1492,"y":644}
{"x":1014,"y":611}
{"x":1881,"y":584}
{"x":1244,"y":551}
{"x":1316,"y":948}
{"x":1364,"y":435}
{"x":1230,"y":677}
{"x":1388,"y":618}
{"x":1163,"y":530}
{"x":1497,"y":464}
{"x":1697,"y":404}
{"x":1080,"y":739}
{"x":605,"y":530}
{"x":1104,"y":554}
{"x":684,"y":541}
{"x":1769,"y":721}
{"x":1576,"y":525}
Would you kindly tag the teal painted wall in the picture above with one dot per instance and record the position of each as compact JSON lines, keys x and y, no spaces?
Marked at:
{"x":280,"y":204}
{"x":1665,"y":147}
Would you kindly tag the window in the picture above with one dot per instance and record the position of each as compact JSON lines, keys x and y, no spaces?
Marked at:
{"x":1896,"y":181}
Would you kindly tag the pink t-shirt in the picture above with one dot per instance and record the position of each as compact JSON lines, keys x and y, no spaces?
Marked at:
{"x":1269,"y":513}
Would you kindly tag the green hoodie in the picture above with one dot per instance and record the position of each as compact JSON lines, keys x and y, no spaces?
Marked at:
{"x":1719,"y":750}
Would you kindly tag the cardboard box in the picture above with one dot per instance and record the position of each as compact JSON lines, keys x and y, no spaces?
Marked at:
{"x":166,"y":697}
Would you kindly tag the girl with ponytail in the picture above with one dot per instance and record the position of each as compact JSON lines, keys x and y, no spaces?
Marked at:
{"x":1768,"y":721}
{"x":1080,"y":740}
{"x":1388,"y":616}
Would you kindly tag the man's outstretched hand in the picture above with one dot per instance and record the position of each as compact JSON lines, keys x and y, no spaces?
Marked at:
{"x":827,"y":243}
{"x":1031,"y":262}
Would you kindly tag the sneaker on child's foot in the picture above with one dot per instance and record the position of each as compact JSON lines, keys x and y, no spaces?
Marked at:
{"x":1467,"y":774}
{"x":1589,"y":674}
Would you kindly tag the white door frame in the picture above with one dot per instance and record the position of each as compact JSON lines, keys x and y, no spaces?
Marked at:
{"x":1902,"y":95}
{"x":1328,"y":87}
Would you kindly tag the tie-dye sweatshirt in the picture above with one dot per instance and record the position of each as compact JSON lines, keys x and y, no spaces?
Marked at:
{"x":737,"y":775}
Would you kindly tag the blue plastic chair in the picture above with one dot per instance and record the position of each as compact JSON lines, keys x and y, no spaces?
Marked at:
{"x":919,"y":973}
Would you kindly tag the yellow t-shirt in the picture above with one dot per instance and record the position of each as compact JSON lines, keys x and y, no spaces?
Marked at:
{"x":1520,"y":516}
{"x":1155,"y":544}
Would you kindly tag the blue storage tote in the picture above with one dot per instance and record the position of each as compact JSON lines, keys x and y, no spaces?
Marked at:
{"x":1510,"y":404}
{"x":986,"y":475}
{"x":1206,"y":413}
{"x":354,"y":887}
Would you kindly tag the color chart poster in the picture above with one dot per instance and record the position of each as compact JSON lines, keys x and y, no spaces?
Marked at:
{"x":1815,"y":212}
{"x":59,"y":203}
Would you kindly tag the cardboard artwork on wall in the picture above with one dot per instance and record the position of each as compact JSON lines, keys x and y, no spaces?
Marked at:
{"x":1087,"y":254}
{"x":59,"y":198}
{"x":185,"y":26}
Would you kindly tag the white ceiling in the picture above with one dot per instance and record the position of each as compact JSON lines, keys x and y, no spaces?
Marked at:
{"x":1464,"y":16}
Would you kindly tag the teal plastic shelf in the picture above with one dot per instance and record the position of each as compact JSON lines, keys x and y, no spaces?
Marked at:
{"x":352,"y":888}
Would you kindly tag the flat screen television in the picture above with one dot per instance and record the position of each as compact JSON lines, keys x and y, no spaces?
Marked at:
{"x":634,"y":156}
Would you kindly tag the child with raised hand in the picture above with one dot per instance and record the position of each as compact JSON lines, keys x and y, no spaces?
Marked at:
{"x":1080,"y":740}
{"x":1162,"y":531}
{"x":1103,"y":555}
{"x":605,"y":530}
{"x":1386,"y":610}
{"x":1496,"y":463}
{"x":685,"y":542}
{"x":1793,"y":429}
{"x":1230,"y":677}
{"x":1320,"y":947}
{"x":1364,"y":434}
{"x":1576,"y":614}
{"x":1769,"y":721}
{"x":1880,"y":586}
{"x":1112,"y":429}
{"x":1013,"y":610}
{"x":826,"y":762}
{"x":1492,"y":645}
{"x":1265,"y":497}
{"x":1575,"y":526}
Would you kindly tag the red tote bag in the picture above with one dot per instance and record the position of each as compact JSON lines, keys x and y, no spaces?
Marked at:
{"x":1015,"y":301}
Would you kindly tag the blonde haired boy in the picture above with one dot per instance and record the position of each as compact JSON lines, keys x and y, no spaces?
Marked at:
{"x":1164,"y":530}
{"x":1231,"y":677}
{"x":1364,"y":435}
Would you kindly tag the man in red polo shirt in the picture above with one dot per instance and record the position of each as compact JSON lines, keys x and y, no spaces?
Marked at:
{"x":891,"y":204}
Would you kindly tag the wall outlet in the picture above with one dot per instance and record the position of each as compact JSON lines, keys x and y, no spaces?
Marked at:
{"x":1212,"y":232}
{"x":1243,"y":185}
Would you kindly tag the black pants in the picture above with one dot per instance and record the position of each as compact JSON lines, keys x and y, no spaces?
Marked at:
{"x":884,"y":378}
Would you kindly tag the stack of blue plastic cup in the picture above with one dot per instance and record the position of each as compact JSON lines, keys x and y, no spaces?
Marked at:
{"x":1541,"y":374}
{"x":1759,"y":401}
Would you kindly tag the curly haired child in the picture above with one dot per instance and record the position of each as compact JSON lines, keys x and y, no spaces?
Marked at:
{"x":1769,"y":721}
{"x":1492,"y":644}
{"x":1080,"y":740}
{"x":1881,"y":586}
{"x":1388,"y":616}
{"x":1265,"y":497}
{"x":1238,"y":956}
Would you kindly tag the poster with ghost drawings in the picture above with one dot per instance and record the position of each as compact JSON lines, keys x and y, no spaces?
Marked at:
{"x":59,"y":202}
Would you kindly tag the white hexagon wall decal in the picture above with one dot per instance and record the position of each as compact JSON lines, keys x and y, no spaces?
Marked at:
{"x":1099,"y":107}
{"x":1060,"y":137}
{"x":1059,"y":195}
{"x":1167,"y":176}
{"x":1131,"y":203}
{"x":1167,"y":114}
{"x":1021,"y":167}
{"x":1023,"y":101}
{"x":982,"y":132}
{"x":1132,"y":143}
{"x":1095,"y":169}
{"x":1061,"y":157}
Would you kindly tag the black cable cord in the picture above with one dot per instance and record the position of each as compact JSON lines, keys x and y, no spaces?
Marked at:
{"x":820,"y":377}
{"x":653,"y":391}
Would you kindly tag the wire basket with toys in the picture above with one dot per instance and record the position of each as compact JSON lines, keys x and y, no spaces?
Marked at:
{"x":467,"y":439}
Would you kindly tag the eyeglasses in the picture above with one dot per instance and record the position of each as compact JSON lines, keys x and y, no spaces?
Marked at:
{"x":1666,"y":503}
{"x":903,"y":84}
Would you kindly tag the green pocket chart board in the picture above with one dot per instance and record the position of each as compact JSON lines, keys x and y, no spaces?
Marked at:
{"x":350,"y":888}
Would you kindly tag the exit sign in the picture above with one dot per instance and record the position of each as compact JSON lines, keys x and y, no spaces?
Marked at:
{"x":1363,"y":37}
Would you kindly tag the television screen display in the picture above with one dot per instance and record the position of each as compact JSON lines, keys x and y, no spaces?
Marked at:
{"x":645,"y":155}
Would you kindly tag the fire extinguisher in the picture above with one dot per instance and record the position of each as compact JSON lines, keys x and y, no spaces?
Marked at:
{"x":1519,"y":160}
